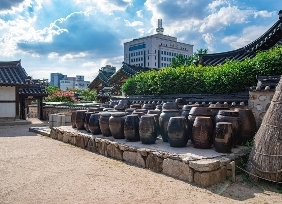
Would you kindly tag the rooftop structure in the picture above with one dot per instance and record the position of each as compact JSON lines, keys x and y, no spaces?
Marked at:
{"x":155,"y":51}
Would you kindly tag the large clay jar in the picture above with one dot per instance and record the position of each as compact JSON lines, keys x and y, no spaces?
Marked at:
{"x":180,"y":102}
{"x":248,"y":125}
{"x":86,"y":120}
{"x":157,"y":120}
{"x":93,"y":124}
{"x":202,"y":132}
{"x":170,"y":105}
{"x":135,"y":105}
{"x":217,"y":107}
{"x":232,"y":117}
{"x":116,"y":125}
{"x":147,"y":129}
{"x":177,"y":131}
{"x":73,"y":116}
{"x":124,"y":102}
{"x":163,"y":121}
{"x":197,"y":111}
{"x":79,"y":119}
{"x":223,"y":141}
{"x":129,"y":111}
{"x":186,"y":109}
{"x":104,"y":124}
{"x":131,"y":128}
{"x":149,"y":106}
{"x":112,"y":104}
{"x":158,"y":112}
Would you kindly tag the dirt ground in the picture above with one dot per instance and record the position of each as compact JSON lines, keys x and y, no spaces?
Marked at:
{"x":37,"y":169}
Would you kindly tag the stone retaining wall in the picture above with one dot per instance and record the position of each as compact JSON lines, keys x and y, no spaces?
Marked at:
{"x":202,"y":171}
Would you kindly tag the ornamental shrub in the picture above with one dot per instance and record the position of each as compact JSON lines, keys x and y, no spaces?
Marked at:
{"x":61,"y":96}
{"x":230,"y":77}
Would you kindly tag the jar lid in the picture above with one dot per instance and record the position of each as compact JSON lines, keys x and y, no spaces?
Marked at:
{"x":228,"y":113}
{"x":117,"y":114}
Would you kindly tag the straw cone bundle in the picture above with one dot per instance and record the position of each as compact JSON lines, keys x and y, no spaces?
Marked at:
{"x":266,"y":156}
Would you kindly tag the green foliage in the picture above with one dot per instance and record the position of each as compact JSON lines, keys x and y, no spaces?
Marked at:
{"x":51,"y":89}
{"x":232,"y":76}
{"x":87,"y":94}
{"x":180,"y":60}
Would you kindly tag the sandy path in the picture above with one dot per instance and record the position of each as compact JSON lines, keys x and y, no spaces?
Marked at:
{"x":37,"y":169}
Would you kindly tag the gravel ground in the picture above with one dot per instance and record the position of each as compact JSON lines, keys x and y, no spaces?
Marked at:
{"x":37,"y":169}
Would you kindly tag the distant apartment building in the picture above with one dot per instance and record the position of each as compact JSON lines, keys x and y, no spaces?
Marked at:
{"x":77,"y":82}
{"x":108,"y":69}
{"x":55,"y":79}
{"x":155,"y":51}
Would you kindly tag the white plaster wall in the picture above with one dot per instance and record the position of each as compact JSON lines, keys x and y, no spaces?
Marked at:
{"x":7,"y":93}
{"x":7,"y":110}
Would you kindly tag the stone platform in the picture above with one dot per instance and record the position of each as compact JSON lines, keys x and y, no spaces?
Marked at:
{"x":204,"y":167}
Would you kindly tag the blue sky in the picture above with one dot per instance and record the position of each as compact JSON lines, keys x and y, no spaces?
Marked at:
{"x":77,"y":37}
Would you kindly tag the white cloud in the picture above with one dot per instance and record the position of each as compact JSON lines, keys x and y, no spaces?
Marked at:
{"x":133,"y":24}
{"x":215,"y":4}
{"x":107,"y":6}
{"x":210,"y":41}
{"x":264,"y":14}
{"x":224,"y":17}
{"x":139,"y":13}
{"x":247,"y":36}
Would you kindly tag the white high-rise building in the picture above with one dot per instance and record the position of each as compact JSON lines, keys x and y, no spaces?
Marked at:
{"x":155,"y":51}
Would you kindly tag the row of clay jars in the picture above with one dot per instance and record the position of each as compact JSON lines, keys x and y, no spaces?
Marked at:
{"x":129,"y":127}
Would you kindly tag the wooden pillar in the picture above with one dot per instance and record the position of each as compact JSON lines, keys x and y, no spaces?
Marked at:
{"x":17,"y":102}
{"x":40,"y":108}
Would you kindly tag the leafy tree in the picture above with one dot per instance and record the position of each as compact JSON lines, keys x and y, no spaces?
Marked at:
{"x":87,"y":94}
{"x":52,"y":89}
{"x":180,"y":60}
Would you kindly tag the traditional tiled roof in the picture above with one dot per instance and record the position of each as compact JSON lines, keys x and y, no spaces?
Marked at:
{"x":270,"y":38}
{"x":102,"y":77}
{"x":13,"y":74}
{"x":127,"y":71}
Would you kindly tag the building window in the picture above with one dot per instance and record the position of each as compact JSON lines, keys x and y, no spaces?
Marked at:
{"x":155,"y":57}
{"x":141,"y":52}
{"x":162,"y":52}
{"x":162,"y":64}
{"x":142,"y":64}
{"x":165,"y":52}
{"x":155,"y":51}
{"x":148,"y":57}
{"x":155,"y":64}
{"x":162,"y":58}
{"x":148,"y":64}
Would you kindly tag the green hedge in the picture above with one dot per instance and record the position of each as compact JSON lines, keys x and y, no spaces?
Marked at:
{"x":232,"y":76}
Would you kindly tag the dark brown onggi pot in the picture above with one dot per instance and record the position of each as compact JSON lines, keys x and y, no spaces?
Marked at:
{"x":232,"y":117}
{"x":248,"y":125}
{"x":186,"y":109}
{"x":170,"y":105}
{"x":147,"y":129}
{"x":124,"y":102}
{"x":163,"y":121}
{"x":223,"y":141}
{"x":149,"y":106}
{"x":202,"y":132}
{"x":112,"y":104}
{"x":73,"y":116}
{"x":129,"y":111}
{"x":131,"y":128}
{"x":116,"y":125}
{"x":104,"y":123}
{"x":217,"y":107}
{"x":86,"y":120}
{"x":93,"y":124}
{"x":120,"y":107}
{"x":157,"y":120}
{"x":135,"y":105}
{"x":177,"y":131}
{"x":197,"y":111}
{"x":158,"y":112}
{"x":79,"y":119}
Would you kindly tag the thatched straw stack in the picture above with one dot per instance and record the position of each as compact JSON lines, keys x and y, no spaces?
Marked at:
{"x":265,"y":158}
